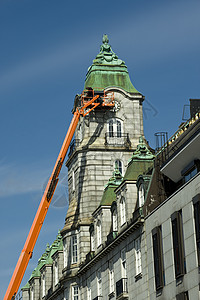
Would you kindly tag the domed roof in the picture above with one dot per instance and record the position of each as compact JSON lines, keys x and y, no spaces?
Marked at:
{"x":108,"y":71}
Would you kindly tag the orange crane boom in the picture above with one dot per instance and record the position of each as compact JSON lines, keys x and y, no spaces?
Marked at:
{"x":45,"y":201}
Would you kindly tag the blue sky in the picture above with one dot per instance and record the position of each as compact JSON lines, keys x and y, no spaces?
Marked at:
{"x":46,"y":48}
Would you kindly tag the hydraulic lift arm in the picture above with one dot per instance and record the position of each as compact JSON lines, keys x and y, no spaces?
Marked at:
{"x":45,"y":202}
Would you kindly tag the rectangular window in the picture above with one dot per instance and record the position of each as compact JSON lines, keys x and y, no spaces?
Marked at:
{"x":92,"y":244}
{"x":65,"y":251}
{"x":74,"y":249}
{"x":73,"y":181}
{"x":196,"y":203}
{"x":178,"y":246}
{"x":123,"y":211}
{"x":75,"y":292}
{"x":111,"y":277}
{"x":138,"y":260}
{"x":182,"y":296}
{"x":99,"y":283}
{"x":98,"y":233}
{"x":158,"y":257}
{"x":123,"y":263}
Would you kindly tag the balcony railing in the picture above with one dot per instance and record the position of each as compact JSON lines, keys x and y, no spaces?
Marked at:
{"x":73,"y":145}
{"x":111,"y":236}
{"x":117,"y":139}
{"x":121,"y":287}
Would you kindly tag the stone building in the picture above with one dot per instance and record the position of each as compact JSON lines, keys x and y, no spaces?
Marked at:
{"x":104,"y":140}
{"x":129,"y":209}
{"x":172,"y":215}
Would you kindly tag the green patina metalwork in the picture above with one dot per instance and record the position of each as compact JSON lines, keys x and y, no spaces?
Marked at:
{"x":27,"y":286}
{"x":46,"y":258}
{"x":109,"y":195}
{"x":140,"y":162}
{"x":108,"y":70}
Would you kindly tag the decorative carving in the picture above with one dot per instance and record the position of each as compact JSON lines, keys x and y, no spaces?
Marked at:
{"x":106,"y":54}
{"x":142,"y":152}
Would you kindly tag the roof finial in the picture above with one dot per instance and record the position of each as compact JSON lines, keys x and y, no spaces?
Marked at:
{"x":105,"y":39}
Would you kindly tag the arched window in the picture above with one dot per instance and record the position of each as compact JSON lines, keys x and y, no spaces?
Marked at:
{"x":98,"y":233}
{"x":118,"y":164}
{"x":123,"y":210}
{"x":141,"y":195}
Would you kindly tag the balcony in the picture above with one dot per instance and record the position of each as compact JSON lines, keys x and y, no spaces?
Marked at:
{"x":73,"y":145}
{"x":117,"y":139}
{"x":122,"y":289}
{"x":111,"y":236}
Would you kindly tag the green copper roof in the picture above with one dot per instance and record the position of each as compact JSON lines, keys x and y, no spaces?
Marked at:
{"x":140,"y":161}
{"x":27,"y":286}
{"x":107,"y":70}
{"x":46,"y":257}
{"x":109,"y":194}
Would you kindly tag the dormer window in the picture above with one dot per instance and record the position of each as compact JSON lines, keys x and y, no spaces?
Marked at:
{"x":123,"y":210}
{"x":141,"y":195}
{"x":114,"y":219}
{"x":92,"y":241}
{"x":98,"y":233}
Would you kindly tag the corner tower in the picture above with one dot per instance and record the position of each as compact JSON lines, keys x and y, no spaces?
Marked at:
{"x":103,"y":138}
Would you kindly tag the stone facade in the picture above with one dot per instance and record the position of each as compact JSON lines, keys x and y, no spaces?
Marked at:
{"x":128,"y":208}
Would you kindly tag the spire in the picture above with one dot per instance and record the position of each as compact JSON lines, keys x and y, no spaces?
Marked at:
{"x":108,"y":70}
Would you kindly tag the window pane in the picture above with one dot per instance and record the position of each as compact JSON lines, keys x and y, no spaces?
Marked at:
{"x":111,"y":128}
{"x":138,"y":256}
{"x":197,"y":228}
{"x":119,"y":129}
{"x":74,"y":249}
{"x":179,"y":260}
{"x":158,"y":258}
